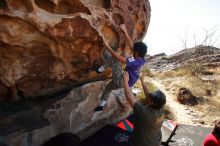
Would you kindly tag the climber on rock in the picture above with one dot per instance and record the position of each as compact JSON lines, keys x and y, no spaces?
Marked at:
{"x":133,"y":64}
{"x":148,"y":116}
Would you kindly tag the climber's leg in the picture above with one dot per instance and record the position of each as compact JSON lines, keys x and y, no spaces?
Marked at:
{"x":104,"y":96}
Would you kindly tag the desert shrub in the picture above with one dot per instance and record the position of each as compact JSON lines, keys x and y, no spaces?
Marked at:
{"x":166,"y":58}
{"x":169,"y":74}
{"x":193,"y":69}
{"x":146,"y":71}
{"x":166,"y":74}
{"x":151,"y":88}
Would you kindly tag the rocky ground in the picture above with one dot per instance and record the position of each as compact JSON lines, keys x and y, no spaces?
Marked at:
{"x":191,"y":81}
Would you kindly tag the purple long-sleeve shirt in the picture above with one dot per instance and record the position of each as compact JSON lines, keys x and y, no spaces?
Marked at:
{"x":133,"y":67}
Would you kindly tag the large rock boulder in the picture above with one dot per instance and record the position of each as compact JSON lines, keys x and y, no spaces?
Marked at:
{"x":73,"y":113}
{"x":47,"y":46}
{"x":185,"y":96}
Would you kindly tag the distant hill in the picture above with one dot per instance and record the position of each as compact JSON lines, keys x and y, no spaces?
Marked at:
{"x":204,"y":55}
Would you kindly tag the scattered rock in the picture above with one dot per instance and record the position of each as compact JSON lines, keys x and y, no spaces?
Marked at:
{"x":205,"y":72}
{"x":208,"y":92}
{"x":201,"y":122}
{"x":184,"y":96}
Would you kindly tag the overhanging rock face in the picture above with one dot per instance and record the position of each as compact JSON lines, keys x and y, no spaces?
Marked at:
{"x":48,"y":45}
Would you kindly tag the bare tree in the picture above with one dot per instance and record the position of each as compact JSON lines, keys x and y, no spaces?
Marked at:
{"x":194,"y":37}
{"x":209,"y":36}
{"x":216,"y":41}
{"x":184,"y":39}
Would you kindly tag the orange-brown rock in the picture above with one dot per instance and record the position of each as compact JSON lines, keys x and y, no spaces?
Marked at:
{"x":48,"y":45}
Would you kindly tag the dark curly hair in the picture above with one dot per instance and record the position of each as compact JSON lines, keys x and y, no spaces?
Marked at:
{"x":141,"y":48}
{"x":158,"y":98}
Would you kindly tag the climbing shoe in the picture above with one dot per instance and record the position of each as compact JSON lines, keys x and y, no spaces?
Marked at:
{"x":98,"y":68}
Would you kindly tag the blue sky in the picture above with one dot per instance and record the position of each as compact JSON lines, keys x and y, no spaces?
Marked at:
{"x":171,"y":19}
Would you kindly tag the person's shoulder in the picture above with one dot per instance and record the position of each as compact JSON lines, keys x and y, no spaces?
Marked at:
{"x":210,"y":136}
{"x":130,"y":59}
{"x":136,"y":62}
{"x":138,"y":103}
{"x":209,"y":139}
{"x":140,"y":61}
{"x":143,"y":60}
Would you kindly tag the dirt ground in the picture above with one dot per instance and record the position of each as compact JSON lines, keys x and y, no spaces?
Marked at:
{"x":205,"y":113}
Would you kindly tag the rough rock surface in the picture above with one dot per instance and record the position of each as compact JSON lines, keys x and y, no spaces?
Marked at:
{"x":48,"y":45}
{"x":74,"y":113}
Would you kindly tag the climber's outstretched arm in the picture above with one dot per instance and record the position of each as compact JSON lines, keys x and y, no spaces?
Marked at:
{"x":129,"y":95}
{"x":145,"y":88}
{"x":130,"y":42}
{"x":114,"y":54}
